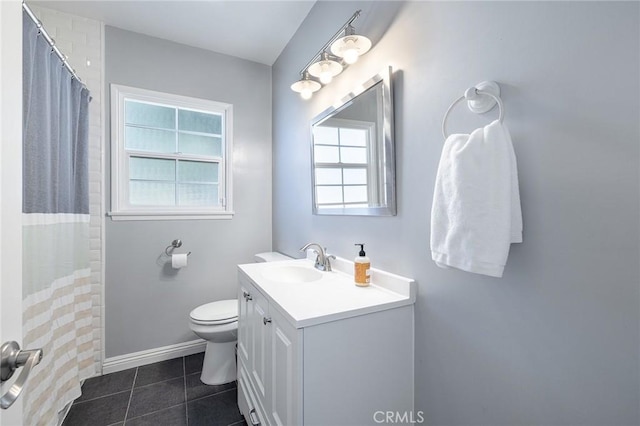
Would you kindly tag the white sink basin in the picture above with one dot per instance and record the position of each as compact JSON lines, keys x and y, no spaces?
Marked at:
{"x":291,"y":274}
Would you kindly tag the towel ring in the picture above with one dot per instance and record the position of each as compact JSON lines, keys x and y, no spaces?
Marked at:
{"x":477,"y":101}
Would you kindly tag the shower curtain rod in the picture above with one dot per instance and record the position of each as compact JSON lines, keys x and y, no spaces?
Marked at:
{"x":49,"y":40}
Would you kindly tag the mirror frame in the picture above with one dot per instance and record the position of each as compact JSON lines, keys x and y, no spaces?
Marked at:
{"x":384,"y":79}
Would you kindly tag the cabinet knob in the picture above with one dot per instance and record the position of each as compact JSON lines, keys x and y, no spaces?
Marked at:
{"x":266,"y":320}
{"x":247,"y":296}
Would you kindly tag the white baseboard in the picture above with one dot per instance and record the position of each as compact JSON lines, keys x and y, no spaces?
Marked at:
{"x":136,"y":359}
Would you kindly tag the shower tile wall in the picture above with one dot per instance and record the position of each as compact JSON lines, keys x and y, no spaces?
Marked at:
{"x":81,"y":40}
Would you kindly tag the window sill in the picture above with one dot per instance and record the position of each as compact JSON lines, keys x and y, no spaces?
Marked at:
{"x":169,"y":215}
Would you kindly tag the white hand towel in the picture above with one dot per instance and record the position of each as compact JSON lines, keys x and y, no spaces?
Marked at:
{"x":476,"y":202}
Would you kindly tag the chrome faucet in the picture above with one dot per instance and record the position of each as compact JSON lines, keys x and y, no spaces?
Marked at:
{"x":323,"y":260}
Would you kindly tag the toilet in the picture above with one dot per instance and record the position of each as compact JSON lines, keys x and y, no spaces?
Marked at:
{"x":217,"y":323}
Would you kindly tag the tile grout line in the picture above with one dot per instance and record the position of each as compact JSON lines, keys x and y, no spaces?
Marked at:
{"x":213,"y":394}
{"x":184,"y":370}
{"x":159,"y":381}
{"x":97,"y":397}
{"x":126,"y":413}
{"x":154,"y":412}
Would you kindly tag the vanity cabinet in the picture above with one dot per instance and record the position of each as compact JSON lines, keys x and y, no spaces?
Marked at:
{"x":268,"y":361}
{"x":335,"y":369}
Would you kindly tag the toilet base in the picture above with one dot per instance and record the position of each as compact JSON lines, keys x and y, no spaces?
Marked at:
{"x":219,"y":366}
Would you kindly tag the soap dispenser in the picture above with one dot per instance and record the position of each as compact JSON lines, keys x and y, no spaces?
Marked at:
{"x":362,"y":267}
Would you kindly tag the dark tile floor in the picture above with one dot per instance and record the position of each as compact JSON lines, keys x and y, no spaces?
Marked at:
{"x":167,"y":393}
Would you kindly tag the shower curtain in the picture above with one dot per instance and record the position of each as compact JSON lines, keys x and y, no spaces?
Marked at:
{"x":57,"y":304}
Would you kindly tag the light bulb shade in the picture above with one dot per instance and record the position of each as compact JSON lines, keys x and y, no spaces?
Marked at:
{"x":305,"y":86}
{"x":350,"y":47}
{"x":325,"y":70}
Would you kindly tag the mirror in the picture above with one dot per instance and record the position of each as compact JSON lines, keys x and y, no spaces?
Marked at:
{"x":352,"y":153}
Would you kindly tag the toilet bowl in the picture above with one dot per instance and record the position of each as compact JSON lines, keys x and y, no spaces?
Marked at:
{"x":217,"y":323}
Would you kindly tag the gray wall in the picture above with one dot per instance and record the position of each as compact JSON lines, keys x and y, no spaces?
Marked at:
{"x":556,"y":340}
{"x":148,"y":303}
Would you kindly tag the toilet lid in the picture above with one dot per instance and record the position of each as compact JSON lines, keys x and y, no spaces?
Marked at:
{"x":216,"y":311}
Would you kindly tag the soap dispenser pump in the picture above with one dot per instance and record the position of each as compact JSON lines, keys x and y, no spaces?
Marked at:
{"x":362,"y":265}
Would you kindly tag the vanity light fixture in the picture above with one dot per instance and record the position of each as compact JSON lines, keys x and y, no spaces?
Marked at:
{"x":345,"y":47}
{"x":306,"y":86}
{"x":325,"y":69}
{"x":351,"y":46}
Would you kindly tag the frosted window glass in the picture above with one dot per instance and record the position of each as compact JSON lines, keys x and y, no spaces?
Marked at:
{"x":197,"y":195}
{"x":152,"y":140}
{"x":355,"y":176}
{"x":328,"y":176}
{"x":328,"y":194}
{"x":354,"y":194}
{"x":325,"y":135}
{"x":201,"y":122}
{"x":149,"y":115}
{"x":353,"y":137}
{"x":200,"y":145}
{"x":194,"y":171}
{"x":143,"y":193}
{"x":353,"y":155}
{"x":326,"y":154}
{"x":151,"y":169}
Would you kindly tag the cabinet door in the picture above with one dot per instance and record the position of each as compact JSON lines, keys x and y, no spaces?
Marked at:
{"x":245,"y":310}
{"x":259,"y":345}
{"x":285,"y":356}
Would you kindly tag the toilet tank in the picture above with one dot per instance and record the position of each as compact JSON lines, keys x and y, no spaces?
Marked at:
{"x":270,"y":256}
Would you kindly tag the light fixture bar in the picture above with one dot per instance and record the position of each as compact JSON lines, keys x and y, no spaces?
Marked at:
{"x":335,"y":37}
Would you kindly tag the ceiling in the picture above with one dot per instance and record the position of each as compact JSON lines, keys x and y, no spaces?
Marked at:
{"x":253,"y":30}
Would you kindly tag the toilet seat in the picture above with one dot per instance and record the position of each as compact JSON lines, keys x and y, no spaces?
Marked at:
{"x":216,"y":313}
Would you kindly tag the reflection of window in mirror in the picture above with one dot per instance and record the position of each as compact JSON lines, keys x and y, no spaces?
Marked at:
{"x":352,"y":153}
{"x":345,"y":163}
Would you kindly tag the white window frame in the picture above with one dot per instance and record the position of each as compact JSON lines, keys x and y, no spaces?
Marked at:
{"x":120,"y":207}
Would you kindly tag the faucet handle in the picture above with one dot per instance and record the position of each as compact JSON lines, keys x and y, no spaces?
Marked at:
{"x":327,"y":261}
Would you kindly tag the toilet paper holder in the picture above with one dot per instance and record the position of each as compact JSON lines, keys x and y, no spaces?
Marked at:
{"x":174,"y":245}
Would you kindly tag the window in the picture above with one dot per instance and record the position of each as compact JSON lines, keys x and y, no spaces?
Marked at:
{"x":343,"y":160}
{"x":171,"y":156}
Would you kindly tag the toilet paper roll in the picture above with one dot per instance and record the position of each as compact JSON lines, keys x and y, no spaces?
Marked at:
{"x":178,"y":260}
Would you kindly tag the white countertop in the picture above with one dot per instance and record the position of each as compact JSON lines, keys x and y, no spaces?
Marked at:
{"x":333,"y":297}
